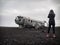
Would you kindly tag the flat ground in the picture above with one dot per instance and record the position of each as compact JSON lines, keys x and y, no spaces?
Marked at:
{"x":27,"y":36}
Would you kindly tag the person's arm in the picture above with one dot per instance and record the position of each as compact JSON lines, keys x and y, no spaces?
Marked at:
{"x":54,"y":15}
{"x":48,"y":15}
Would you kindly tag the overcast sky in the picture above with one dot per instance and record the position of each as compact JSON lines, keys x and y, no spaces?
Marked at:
{"x":35,"y":9}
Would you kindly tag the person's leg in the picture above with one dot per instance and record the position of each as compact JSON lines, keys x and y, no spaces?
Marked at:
{"x":53,"y":31}
{"x":49,"y":30}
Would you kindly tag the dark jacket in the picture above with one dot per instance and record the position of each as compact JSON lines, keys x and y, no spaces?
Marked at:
{"x":51,"y":17}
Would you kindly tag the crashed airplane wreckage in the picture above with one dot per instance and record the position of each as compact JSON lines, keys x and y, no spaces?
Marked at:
{"x":26,"y":22}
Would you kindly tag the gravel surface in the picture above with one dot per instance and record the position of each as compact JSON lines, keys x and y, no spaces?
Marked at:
{"x":27,"y":36}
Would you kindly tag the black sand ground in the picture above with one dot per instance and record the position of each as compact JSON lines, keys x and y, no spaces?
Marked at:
{"x":27,"y":36}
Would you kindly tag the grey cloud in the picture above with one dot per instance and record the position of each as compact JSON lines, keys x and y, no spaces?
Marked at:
{"x":22,"y":0}
{"x":56,"y":1}
{"x":20,"y":4}
{"x":32,"y":7}
{"x":58,"y":13}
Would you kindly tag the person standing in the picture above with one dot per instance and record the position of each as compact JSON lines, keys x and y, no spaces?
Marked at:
{"x":51,"y":17}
